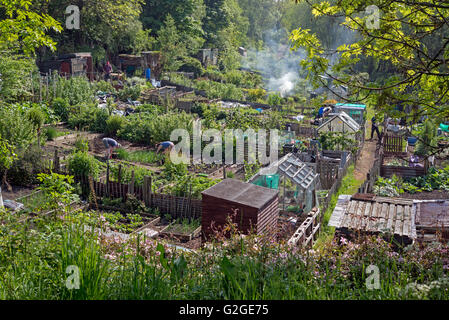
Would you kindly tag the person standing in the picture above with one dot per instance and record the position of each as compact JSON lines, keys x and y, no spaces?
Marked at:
{"x":107,"y":71}
{"x":374,"y":127}
{"x":110,"y":144}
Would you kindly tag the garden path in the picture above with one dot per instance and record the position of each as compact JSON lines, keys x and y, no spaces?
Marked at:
{"x":366,"y":160}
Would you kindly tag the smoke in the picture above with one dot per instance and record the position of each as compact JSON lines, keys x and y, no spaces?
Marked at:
{"x":276,"y":62}
{"x":280,"y":66}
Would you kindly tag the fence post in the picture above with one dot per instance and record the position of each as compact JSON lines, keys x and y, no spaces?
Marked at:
{"x":150,"y":191}
{"x":56,"y":162}
{"x":119,"y":173}
{"x":131,"y":184}
{"x":107,"y":179}
{"x":145,"y":190}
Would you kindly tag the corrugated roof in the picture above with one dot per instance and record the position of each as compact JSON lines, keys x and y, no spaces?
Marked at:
{"x":386,"y":215}
{"x":243,"y":193}
{"x":343,"y":116}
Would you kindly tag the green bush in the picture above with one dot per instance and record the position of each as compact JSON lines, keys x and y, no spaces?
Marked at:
{"x":61,"y":108}
{"x":88,"y":117}
{"x":130,"y":92}
{"x":74,"y":90}
{"x":81,"y":144}
{"x":114,"y":124}
{"x":16,"y":128}
{"x":51,"y":133}
{"x":83,"y":164}
{"x":149,"y":129}
{"x":30,"y":162}
{"x":191,"y":64}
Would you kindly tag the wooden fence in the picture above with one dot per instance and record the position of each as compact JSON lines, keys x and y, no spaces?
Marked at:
{"x":176,"y":207}
{"x":392,"y":144}
{"x":371,"y":176}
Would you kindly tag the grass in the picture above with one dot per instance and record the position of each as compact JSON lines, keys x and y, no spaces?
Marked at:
{"x":34,"y":202}
{"x":349,"y":185}
{"x":145,"y":157}
{"x":184,"y":226}
{"x":38,"y":265}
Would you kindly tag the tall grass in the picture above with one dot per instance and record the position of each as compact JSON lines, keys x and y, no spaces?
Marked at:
{"x":34,"y":260}
{"x":141,"y":156}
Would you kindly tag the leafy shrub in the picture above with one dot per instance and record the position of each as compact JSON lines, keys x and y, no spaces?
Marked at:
{"x":81,"y":144}
{"x":51,"y":133}
{"x":149,"y":129}
{"x":16,"y":81}
{"x":130,"y":92}
{"x":114,"y":124}
{"x":104,"y":86}
{"x":191,"y":64}
{"x":83,"y":164}
{"x":16,"y":128}
{"x":74,"y":90}
{"x":256,"y":95}
{"x":61,"y":108}
{"x":88,"y":117}
{"x":29,"y":163}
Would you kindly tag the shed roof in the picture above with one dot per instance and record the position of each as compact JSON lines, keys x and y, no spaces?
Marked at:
{"x":391,"y":215}
{"x":343,"y":116}
{"x":243,"y":193}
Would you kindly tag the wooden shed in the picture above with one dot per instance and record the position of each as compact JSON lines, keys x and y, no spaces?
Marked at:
{"x":252,"y":208}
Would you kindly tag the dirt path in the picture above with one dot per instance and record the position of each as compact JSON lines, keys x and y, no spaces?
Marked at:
{"x":366,"y":160}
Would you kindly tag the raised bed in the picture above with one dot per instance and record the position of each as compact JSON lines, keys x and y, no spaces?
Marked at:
{"x":174,"y":230}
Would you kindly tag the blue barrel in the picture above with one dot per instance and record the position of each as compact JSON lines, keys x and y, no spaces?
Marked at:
{"x":148,"y":74}
{"x":412,"y":140}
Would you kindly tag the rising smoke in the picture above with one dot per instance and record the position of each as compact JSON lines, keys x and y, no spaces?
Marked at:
{"x":277,"y":63}
{"x":280,"y":66}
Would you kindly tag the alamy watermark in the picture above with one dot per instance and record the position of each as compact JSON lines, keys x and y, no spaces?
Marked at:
{"x":72,"y":22}
{"x":373,"y":17}
{"x":73,"y":280}
{"x":373,"y":280}
{"x":251,"y":142}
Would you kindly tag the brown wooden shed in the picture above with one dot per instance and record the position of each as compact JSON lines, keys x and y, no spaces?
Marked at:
{"x":256,"y":208}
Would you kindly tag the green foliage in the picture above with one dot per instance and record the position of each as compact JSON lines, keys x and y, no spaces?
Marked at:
{"x":15,"y":77}
{"x":7,"y":154}
{"x":61,"y":108}
{"x":216,"y":90}
{"x":337,"y":141}
{"x":82,"y":164}
{"x":114,"y":124}
{"x":24,"y":29}
{"x":88,"y":117}
{"x":74,"y":90}
{"x":81,"y":144}
{"x":251,"y":169}
{"x":427,"y":141}
{"x":150,"y":129}
{"x":274,"y":99}
{"x":148,"y":157}
{"x":188,"y":185}
{"x":30,"y":161}
{"x":57,"y":188}
{"x":256,"y":95}
{"x":16,"y":128}
{"x":130,"y":92}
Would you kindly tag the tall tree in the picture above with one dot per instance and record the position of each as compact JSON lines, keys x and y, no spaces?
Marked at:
{"x":411,"y":35}
{"x":23,"y":29}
